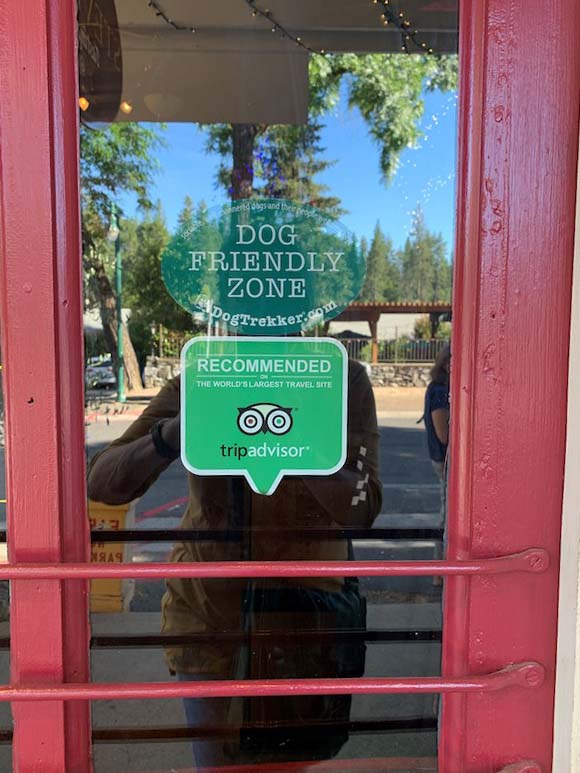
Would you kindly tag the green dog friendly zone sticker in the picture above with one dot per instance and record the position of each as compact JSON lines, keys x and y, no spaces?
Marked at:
{"x":263,"y":408}
{"x":263,"y":266}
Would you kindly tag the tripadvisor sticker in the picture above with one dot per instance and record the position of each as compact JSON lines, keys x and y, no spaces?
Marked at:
{"x":263,"y":266}
{"x":263,"y":408}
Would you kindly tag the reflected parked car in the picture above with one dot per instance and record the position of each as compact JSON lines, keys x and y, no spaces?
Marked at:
{"x":100,"y":375}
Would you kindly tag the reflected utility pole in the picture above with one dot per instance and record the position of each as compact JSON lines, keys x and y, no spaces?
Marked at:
{"x":114,"y":236}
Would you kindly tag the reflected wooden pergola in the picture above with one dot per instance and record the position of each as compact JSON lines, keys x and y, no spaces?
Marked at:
{"x":370,"y":311}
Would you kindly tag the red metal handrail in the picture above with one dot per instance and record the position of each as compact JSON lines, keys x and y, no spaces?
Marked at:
{"x":532,"y":560}
{"x":528,"y":675}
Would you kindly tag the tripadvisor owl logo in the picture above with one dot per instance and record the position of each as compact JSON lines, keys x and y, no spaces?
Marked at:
{"x":265,"y":417}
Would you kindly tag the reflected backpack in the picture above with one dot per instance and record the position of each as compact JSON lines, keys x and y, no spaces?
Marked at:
{"x":301,"y":632}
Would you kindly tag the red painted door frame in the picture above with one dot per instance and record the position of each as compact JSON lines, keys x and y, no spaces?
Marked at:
{"x":518,"y":154}
{"x":519,"y":123}
{"x":42,"y":348}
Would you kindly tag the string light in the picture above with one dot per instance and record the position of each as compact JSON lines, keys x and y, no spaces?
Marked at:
{"x":126,"y":107}
{"x":404,"y":26}
{"x":265,"y":13}
{"x":84,"y":104}
{"x":161,"y":13}
{"x":388,"y":16}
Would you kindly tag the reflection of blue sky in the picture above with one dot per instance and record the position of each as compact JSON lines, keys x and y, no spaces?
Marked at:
{"x":426,"y":175}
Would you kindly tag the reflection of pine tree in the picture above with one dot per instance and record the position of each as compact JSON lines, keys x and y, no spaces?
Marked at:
{"x":150,"y":302}
{"x":288,"y":160}
{"x":443,"y":280}
{"x":206,"y":236}
{"x":382,"y":273}
{"x":425,"y":272}
{"x":147,"y":296}
{"x":195,"y":232}
{"x":185,"y":218}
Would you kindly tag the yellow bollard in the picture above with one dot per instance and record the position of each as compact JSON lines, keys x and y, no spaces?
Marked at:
{"x":111,"y":595}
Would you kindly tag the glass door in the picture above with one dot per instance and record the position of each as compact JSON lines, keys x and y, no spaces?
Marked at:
{"x":299,"y":544}
{"x":298,"y":164}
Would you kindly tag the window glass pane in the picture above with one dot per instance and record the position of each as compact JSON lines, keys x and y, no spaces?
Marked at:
{"x":250,"y":169}
{"x":396,"y":733}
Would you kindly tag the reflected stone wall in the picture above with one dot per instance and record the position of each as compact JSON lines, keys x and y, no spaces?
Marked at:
{"x":400,"y":374}
{"x":159,"y":370}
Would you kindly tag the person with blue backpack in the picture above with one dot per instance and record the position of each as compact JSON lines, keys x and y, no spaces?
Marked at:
{"x":436,"y":418}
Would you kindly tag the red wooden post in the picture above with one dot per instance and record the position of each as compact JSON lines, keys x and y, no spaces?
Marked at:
{"x":42,"y":353}
{"x":518,"y":159}
{"x":374,"y":325}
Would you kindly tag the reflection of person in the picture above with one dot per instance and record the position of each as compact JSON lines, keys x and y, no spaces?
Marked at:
{"x":265,"y":610}
{"x":436,"y":416}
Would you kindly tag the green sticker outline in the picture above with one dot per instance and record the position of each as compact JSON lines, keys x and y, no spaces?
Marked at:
{"x":284,"y":472}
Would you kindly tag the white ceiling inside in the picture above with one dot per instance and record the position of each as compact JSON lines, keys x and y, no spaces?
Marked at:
{"x":235,"y":69}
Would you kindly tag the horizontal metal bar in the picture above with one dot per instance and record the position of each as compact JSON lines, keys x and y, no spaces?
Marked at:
{"x":239,"y":637}
{"x":237,"y":535}
{"x":365,"y":764}
{"x":519,"y":675}
{"x":155,"y":734}
{"x":166,"y":733}
{"x":300,"y":636}
{"x":533,"y":560}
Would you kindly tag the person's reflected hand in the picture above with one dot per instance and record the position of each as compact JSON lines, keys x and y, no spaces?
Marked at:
{"x":171,"y":432}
